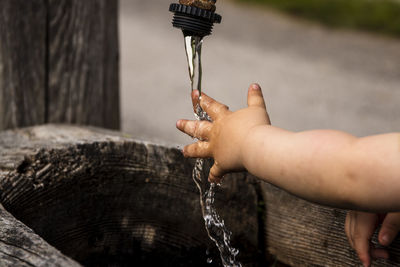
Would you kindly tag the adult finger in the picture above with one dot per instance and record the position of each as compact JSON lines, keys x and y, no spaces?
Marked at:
{"x":362,"y":227}
{"x":347,"y":227}
{"x":390,"y":228}
{"x":379,"y":253}
{"x":255,"y":97}
{"x":350,"y":224}
{"x":197,"y":129}
{"x":216,"y":174}
{"x":213,"y":108}
{"x":197,"y":150}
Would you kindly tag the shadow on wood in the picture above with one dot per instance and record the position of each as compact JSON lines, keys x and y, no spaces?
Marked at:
{"x":103,"y":199}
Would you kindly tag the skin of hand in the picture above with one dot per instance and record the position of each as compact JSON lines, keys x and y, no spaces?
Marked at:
{"x":359,"y":228}
{"x":222,"y":138}
{"x":328,"y":167}
{"x":323,"y":166}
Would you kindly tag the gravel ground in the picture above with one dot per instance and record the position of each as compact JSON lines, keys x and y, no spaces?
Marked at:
{"x":312,"y":77}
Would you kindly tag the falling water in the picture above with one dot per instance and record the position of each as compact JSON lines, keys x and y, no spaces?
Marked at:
{"x":215,"y":226}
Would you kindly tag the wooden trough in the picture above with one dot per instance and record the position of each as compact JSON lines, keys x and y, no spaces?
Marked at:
{"x":73,"y":196}
{"x":78,"y":195}
{"x":105,"y":200}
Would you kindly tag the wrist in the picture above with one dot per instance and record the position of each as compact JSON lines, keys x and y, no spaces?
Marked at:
{"x":261,"y":151}
{"x":252,"y":140}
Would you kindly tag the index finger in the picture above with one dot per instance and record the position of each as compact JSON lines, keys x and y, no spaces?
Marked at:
{"x":389,"y":229}
{"x":212,"y":107}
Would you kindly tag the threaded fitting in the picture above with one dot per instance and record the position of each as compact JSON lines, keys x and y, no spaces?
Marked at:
{"x":194,"y":20}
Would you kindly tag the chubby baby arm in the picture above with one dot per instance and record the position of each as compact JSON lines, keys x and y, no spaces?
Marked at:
{"x":324,"y":166}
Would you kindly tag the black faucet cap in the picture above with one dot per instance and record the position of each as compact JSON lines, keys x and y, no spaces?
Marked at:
{"x":193,"y":20}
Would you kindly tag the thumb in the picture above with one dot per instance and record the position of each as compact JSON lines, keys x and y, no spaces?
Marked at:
{"x":390,"y":228}
{"x":216,"y":174}
{"x":255,"y":97}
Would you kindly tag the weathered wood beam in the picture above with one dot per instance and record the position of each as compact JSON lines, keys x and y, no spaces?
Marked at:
{"x":103,"y":198}
{"x":59,"y":63}
{"x":20,"y":246}
{"x":300,"y":233}
{"x":83,"y":62}
{"x":22,"y":63}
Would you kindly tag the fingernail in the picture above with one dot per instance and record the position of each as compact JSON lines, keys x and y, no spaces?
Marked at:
{"x":385,"y":240}
{"x":178,"y":124}
{"x":255,"y":86}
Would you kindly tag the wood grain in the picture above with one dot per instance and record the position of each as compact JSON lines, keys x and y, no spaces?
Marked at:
{"x":22,"y":63}
{"x":59,"y":63}
{"x":83,"y":62}
{"x":300,"y":233}
{"x":20,"y":246}
{"x":102,"y":198}
{"x":98,"y":195}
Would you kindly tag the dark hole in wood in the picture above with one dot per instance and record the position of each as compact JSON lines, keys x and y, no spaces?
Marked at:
{"x":127,"y":205}
{"x":24,"y":165}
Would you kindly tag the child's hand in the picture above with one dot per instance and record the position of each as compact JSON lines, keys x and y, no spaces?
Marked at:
{"x":360,"y":226}
{"x":222,"y":139}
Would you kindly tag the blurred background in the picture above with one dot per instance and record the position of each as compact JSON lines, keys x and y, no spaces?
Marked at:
{"x":322,"y":64}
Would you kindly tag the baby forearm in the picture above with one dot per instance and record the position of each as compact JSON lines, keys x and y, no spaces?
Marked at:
{"x":328,"y":167}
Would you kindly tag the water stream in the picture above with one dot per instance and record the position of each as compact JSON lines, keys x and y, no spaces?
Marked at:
{"x":215,"y":226}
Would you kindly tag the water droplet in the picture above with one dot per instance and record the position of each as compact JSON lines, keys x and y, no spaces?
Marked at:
{"x":209,"y":260}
